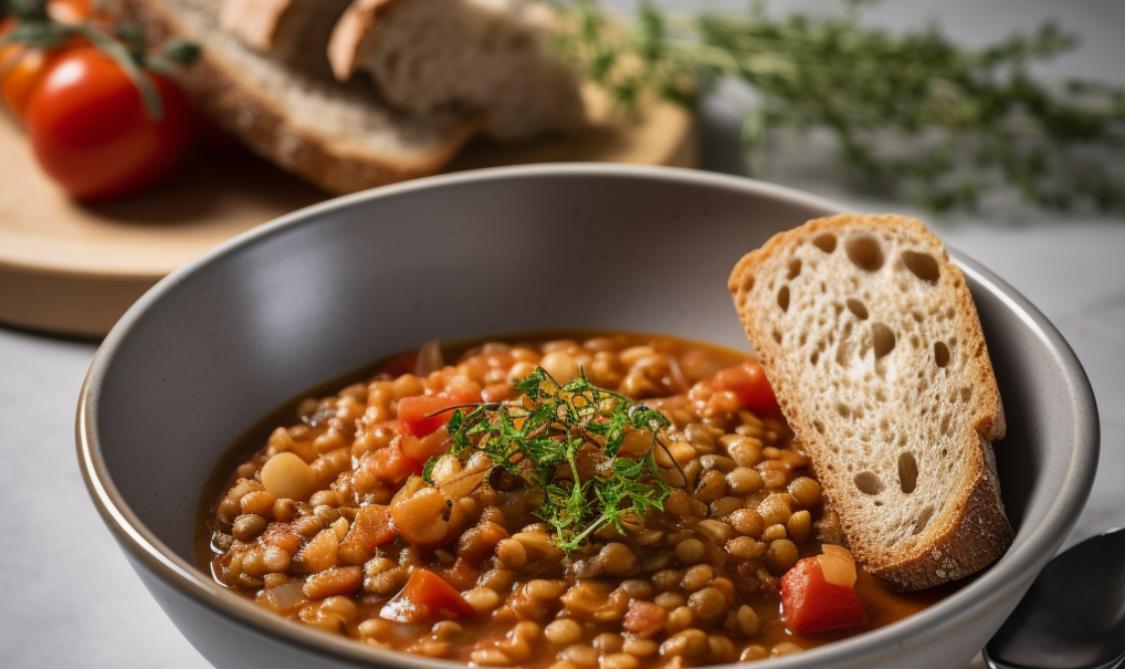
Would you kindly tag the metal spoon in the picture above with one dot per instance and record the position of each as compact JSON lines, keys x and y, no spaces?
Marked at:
{"x":1073,"y":616}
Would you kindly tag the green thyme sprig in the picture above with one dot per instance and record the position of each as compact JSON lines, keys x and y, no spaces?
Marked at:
{"x":551,"y":435}
{"x":964,"y":122}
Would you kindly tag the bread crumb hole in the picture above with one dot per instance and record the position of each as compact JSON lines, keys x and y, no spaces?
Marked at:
{"x":794,"y":269}
{"x":945,"y":425}
{"x":814,"y":358}
{"x":921,"y":265}
{"x":884,"y":340}
{"x":878,"y":502}
{"x":783,"y":298}
{"x":941,"y":354}
{"x":966,"y":393}
{"x":865,"y":253}
{"x":777,"y":336}
{"x":858,"y":308}
{"x":843,"y":410}
{"x":923,"y":520}
{"x":907,"y":472}
{"x":918,"y":316}
{"x":868,"y":483}
{"x":825,"y":242}
{"x":747,"y":283}
{"x":818,"y":426}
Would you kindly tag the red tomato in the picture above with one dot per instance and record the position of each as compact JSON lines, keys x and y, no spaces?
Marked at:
{"x":748,"y":381}
{"x":23,"y":67}
{"x":811,"y":604}
{"x":92,"y":133}
{"x":391,"y":465}
{"x":425,"y":599}
{"x":424,"y":414}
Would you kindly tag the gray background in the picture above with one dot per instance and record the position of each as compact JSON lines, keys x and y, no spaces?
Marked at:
{"x":69,"y":599}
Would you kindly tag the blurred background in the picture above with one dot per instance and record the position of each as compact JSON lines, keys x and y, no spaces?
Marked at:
{"x":69,"y":598}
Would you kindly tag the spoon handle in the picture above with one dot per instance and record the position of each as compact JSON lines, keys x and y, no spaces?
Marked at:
{"x":994,"y":663}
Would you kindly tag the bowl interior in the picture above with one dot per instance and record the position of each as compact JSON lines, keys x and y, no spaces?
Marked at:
{"x":323,"y":292}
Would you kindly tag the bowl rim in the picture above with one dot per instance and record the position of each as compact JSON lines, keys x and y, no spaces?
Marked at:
{"x":1003,"y":579}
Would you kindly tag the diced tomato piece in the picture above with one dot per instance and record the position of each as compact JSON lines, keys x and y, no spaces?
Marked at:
{"x":424,"y":414}
{"x":811,"y":604}
{"x":390,"y":464}
{"x":748,"y":381}
{"x":425,"y":599}
{"x":404,"y":363}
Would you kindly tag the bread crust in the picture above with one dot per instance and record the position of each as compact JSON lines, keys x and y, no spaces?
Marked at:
{"x":255,"y":22}
{"x":972,"y":530}
{"x":500,"y":69}
{"x":234,"y":104}
{"x":347,"y":39}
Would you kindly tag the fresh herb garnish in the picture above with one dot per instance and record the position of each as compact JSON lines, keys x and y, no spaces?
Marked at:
{"x":567,"y":440}
{"x":913,"y":114}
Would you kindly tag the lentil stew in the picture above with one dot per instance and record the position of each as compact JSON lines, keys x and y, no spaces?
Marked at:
{"x":355,"y":517}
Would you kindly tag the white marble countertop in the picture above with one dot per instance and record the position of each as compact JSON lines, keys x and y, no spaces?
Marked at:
{"x":69,"y":599}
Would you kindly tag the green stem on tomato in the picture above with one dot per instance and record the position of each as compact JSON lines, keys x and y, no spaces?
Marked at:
{"x":120,"y":53}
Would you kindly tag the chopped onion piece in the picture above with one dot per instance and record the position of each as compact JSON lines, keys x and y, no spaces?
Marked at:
{"x":285,"y":596}
{"x":838,"y":565}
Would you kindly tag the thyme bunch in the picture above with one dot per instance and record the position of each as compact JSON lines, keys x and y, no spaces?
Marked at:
{"x":965,"y":122}
{"x":552,"y":436}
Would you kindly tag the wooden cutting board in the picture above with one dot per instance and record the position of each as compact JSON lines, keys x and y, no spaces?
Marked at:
{"x":72,"y":268}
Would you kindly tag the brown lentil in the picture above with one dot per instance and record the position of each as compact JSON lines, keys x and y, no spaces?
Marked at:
{"x":696,"y":584}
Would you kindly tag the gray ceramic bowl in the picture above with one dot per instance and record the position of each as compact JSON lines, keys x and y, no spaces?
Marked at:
{"x":323,"y":291}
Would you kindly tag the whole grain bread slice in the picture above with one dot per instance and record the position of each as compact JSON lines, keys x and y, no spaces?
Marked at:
{"x":342,"y":138}
{"x":872,"y":343}
{"x":483,"y":55}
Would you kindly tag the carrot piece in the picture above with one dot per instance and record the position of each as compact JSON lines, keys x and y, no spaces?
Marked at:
{"x":372,"y":527}
{"x":391,"y":465}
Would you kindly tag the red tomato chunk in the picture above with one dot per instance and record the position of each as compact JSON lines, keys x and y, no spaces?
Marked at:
{"x":748,"y":382}
{"x":423,"y":415}
{"x":425,"y":599}
{"x":812,"y":604}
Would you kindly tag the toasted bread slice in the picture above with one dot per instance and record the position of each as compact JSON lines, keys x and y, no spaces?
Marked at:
{"x":482,"y":55}
{"x":341,"y":138}
{"x":870,"y":338}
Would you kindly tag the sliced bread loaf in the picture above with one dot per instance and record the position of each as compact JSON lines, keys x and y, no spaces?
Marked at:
{"x":293,"y":30}
{"x":871,"y":340}
{"x":481,"y":55}
{"x":342,"y":138}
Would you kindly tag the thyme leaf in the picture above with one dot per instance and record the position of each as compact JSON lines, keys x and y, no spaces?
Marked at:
{"x":567,"y":440}
{"x":964,"y":122}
